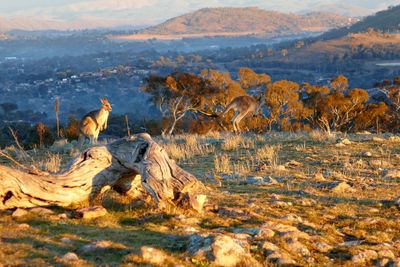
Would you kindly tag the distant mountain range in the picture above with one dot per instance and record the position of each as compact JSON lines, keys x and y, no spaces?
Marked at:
{"x":229,"y":21}
{"x":27,"y":24}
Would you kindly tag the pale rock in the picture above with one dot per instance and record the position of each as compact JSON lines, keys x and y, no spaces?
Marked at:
{"x":153,"y":255}
{"x":345,"y":142}
{"x":90,"y":213}
{"x":293,"y":218}
{"x":101,"y":246}
{"x":221,"y":250}
{"x":342,"y":188}
{"x":379,"y":163}
{"x":364,"y":256}
{"x":394,"y":139}
{"x":280,"y":168}
{"x":386,"y":253}
{"x":308,"y":202}
{"x":269,"y":248}
{"x":319,"y":177}
{"x":19,"y":213}
{"x":340,"y":145}
{"x":392,"y":174}
{"x":41,"y":211}
{"x":282,"y":204}
{"x":367,"y":154}
{"x":23,"y":226}
{"x":266,"y":233}
{"x":70,"y":256}
{"x":294,"y":246}
{"x":258,"y":180}
{"x":323,"y":247}
{"x":378,"y":139}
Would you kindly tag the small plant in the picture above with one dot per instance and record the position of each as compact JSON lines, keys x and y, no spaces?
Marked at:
{"x":221,"y":164}
{"x":269,"y":154}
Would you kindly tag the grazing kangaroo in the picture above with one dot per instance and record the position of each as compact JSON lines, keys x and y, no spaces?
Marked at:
{"x":94,"y":122}
{"x":243,"y":106}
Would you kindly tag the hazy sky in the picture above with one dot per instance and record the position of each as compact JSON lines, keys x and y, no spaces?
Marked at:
{"x":150,"y":11}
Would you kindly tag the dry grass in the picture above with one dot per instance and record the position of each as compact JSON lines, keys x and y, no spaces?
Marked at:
{"x":348,"y":222}
{"x":187,"y":147}
{"x":51,"y":163}
{"x":234,"y":142}
{"x":222,"y":164}
{"x":268,"y":153}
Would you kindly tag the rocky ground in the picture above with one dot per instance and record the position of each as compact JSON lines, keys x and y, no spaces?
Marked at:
{"x":275,"y":199}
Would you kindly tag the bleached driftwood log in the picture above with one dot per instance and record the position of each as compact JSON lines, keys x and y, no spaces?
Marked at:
{"x":116,"y":165}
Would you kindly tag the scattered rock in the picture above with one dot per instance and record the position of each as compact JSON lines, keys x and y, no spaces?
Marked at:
{"x":379,"y":163}
{"x":101,"y":246}
{"x":153,"y":255}
{"x":386,"y":253}
{"x":392,"y":174}
{"x":70,"y":256}
{"x":269,"y":248}
{"x":340,"y":145}
{"x":323,"y":247}
{"x":319,"y":177}
{"x":308,"y":202}
{"x":293,"y":218}
{"x":41,"y":211}
{"x":294,"y":246}
{"x":364,"y":256}
{"x":367,"y":154}
{"x":258,"y":180}
{"x":394,"y":139}
{"x":342,"y":187}
{"x":221,"y":250}
{"x":19,"y":213}
{"x":378,"y":139}
{"x":280,"y":168}
{"x":282,"y":204}
{"x":345,"y":142}
{"x":90,"y":213}
{"x":280,"y":259}
{"x":266,"y":233}
{"x":23,"y":226}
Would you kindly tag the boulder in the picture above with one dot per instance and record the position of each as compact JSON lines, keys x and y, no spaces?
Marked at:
{"x":221,"y":250}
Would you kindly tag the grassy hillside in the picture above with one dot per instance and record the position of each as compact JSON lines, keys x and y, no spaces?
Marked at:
{"x":250,"y":19}
{"x":386,"y":21}
{"x":286,"y":199}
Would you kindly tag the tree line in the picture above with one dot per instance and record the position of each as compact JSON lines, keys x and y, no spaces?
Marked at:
{"x":189,"y":102}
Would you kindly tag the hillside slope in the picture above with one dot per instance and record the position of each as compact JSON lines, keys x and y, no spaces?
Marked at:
{"x":251,"y":19}
{"x":386,"y":20}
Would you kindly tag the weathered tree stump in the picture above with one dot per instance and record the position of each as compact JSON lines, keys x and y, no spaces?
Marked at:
{"x":117,"y":165}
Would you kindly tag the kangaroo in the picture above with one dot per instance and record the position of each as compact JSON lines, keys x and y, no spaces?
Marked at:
{"x":243,"y":106}
{"x":94,"y":122}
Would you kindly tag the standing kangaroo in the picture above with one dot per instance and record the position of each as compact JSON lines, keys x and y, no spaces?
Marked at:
{"x":243,"y":106}
{"x":94,"y":122}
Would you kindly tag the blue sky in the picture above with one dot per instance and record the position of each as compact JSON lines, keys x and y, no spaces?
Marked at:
{"x":151,"y":11}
